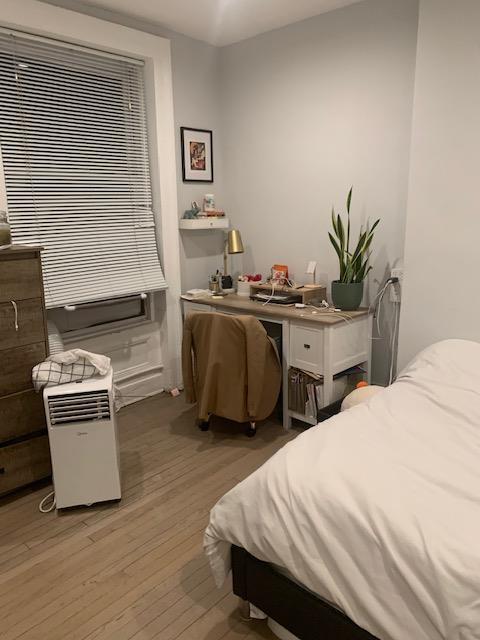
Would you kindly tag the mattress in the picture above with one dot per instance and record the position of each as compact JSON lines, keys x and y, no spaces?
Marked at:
{"x":377,"y":510}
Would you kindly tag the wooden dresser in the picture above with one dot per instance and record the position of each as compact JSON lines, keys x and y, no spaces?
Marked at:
{"x":24,"y":451}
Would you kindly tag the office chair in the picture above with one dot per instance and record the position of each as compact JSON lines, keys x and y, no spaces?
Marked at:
{"x":231,"y":368}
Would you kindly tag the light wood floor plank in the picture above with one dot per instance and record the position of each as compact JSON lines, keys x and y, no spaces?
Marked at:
{"x":135,"y":569}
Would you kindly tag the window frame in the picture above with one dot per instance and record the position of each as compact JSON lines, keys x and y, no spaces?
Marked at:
{"x":74,"y":28}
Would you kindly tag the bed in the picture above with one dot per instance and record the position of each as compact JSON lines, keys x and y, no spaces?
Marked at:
{"x":368,"y":525}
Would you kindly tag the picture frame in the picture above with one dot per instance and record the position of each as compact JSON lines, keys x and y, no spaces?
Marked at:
{"x":197,"y":154}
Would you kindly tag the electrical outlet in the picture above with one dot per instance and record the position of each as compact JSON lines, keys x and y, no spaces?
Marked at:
{"x":396,"y":288}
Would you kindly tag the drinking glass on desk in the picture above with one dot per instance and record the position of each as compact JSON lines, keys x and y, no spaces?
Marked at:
{"x":214,"y":284}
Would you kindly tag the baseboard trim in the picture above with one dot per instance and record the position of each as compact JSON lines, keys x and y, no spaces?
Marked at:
{"x":140,"y":386}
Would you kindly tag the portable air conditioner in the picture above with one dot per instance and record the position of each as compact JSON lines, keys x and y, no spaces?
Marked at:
{"x":83,"y":439}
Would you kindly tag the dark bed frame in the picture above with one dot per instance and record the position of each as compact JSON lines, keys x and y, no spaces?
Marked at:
{"x":292,"y":606}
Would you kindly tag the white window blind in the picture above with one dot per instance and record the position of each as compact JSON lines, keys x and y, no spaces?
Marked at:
{"x":73,"y":138}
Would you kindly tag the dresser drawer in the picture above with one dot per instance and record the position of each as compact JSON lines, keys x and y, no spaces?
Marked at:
{"x":306,"y":348}
{"x":30,"y":323}
{"x":16,"y":367}
{"x":21,"y":414}
{"x":23,"y":463}
{"x":20,"y":279}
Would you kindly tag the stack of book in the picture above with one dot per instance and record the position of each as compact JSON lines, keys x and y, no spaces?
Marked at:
{"x":305,"y":389}
{"x":304,"y":392}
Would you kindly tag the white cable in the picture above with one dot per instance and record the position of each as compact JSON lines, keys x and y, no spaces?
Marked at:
{"x":330,"y":310}
{"x":379,"y":306}
{"x":393,"y":342}
{"x":271,"y":295}
{"x":376,"y":306}
{"x":51,"y":507}
{"x":373,"y":304}
{"x":379,"y":311}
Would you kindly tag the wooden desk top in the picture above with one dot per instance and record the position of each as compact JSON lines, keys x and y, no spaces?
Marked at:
{"x":234,"y":302}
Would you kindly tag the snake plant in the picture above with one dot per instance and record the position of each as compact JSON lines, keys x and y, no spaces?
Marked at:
{"x":354,"y":265}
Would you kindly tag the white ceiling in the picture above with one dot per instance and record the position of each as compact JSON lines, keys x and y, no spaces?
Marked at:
{"x":221,"y":22}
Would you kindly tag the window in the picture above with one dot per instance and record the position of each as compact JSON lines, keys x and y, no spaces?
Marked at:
{"x":73,"y":139}
{"x":102,"y":317}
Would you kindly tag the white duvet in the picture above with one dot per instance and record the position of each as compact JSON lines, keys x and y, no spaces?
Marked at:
{"x":377,"y":510}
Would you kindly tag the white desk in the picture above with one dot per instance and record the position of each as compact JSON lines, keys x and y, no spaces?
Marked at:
{"x":321,"y":342}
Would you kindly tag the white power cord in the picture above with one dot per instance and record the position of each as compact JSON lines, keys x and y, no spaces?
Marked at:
{"x":271,"y":295}
{"x":42,"y":508}
{"x":393,"y":342}
{"x":325,"y":308}
{"x":376,"y":306}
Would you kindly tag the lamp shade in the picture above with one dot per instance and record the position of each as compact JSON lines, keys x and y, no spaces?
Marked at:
{"x":234,"y":242}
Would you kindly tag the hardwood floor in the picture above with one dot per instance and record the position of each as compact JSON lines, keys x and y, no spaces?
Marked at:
{"x":135,"y":569}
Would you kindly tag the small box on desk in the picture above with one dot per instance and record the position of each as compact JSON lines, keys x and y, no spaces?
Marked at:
{"x":307,"y":295}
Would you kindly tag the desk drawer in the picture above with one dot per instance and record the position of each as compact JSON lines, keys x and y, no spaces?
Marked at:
{"x":20,"y":279}
{"x":16,"y":367}
{"x":29,"y":319}
{"x":306,"y":348}
{"x":23,"y":463}
{"x":21,"y":414}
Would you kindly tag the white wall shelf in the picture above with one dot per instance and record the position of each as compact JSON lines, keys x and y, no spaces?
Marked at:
{"x":205,"y":223}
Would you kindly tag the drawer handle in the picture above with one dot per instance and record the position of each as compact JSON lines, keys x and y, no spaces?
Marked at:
{"x":306,"y":346}
{"x":15,"y":308}
{"x":2,"y":470}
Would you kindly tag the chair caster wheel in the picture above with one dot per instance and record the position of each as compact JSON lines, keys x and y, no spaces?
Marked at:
{"x":204,"y":426}
{"x":251,"y":430}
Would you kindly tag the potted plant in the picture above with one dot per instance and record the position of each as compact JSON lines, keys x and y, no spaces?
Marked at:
{"x":347,"y":291}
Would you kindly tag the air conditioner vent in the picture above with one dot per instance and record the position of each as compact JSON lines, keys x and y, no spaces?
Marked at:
{"x":79,"y":407}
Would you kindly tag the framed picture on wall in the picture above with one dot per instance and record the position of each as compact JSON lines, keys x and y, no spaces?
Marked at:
{"x":197,"y":155}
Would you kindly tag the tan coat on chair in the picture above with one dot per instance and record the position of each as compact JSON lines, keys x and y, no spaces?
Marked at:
{"x":230,"y":366}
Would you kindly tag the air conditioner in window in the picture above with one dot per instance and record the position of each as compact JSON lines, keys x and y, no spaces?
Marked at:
{"x":83,"y":437}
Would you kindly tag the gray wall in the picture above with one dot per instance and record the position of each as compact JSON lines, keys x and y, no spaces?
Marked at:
{"x":443,"y":222}
{"x":299,"y":114}
{"x":309,"y":110}
{"x":196,"y":77}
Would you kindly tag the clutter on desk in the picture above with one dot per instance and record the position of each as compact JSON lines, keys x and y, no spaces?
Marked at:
{"x":297,"y":294}
{"x":227,"y":284}
{"x":310,"y":271}
{"x":279,"y":274}
{"x":197,"y":293}
{"x":244,"y":282}
{"x":249,"y":278}
{"x":243,"y":289}
{"x":214,"y":283}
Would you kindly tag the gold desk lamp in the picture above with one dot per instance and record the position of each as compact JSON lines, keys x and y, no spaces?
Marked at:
{"x":233,"y":244}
